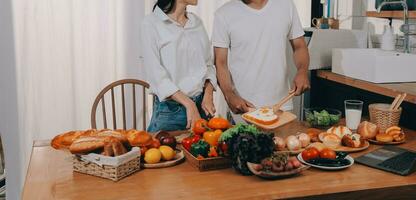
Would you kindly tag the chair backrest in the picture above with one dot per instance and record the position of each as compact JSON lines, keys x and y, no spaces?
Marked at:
{"x":111,"y":88}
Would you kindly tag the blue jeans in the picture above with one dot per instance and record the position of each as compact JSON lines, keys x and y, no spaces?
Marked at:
{"x":169,"y":115}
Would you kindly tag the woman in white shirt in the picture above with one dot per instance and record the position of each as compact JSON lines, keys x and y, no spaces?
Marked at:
{"x":178,"y":62}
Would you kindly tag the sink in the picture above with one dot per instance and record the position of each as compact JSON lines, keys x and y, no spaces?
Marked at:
{"x":374,"y":65}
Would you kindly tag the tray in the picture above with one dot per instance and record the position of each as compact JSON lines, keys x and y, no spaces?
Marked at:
{"x":284,"y":118}
{"x":207,"y":164}
{"x":276,"y":175}
{"x":177,"y":160}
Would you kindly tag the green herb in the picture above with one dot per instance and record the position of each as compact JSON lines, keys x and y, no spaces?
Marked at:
{"x":239,"y":128}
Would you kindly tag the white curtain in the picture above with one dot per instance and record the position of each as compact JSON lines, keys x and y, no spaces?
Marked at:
{"x":66,"y":52}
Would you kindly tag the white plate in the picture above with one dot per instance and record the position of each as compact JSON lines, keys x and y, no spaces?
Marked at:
{"x":176,"y":160}
{"x":327,"y":168}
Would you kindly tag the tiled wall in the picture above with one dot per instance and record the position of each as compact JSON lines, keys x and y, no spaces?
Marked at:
{"x":352,"y":15}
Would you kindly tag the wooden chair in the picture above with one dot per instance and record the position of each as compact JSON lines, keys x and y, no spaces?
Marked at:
{"x":111,"y":88}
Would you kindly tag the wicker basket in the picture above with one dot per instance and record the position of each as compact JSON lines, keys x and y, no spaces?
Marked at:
{"x":207,"y":163}
{"x":113,"y":168}
{"x":383,"y":117}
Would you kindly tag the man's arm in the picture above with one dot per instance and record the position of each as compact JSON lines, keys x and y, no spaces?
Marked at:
{"x":301,"y":58}
{"x":235,"y":102}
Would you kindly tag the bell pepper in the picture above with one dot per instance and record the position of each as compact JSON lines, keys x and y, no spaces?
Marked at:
{"x":187,"y":142}
{"x":213,"y":152}
{"x":200,"y":148}
{"x":212,"y":137}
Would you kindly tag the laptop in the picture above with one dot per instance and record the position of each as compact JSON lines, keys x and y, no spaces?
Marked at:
{"x":392,"y":159}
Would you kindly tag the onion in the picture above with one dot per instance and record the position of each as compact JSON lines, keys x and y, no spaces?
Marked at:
{"x":280,"y":144}
{"x":293,"y":144}
{"x":304,"y":139}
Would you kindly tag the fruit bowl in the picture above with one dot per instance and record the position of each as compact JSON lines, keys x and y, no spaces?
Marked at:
{"x":322,"y":117}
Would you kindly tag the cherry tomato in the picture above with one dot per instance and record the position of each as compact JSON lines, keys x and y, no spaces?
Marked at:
{"x":310,"y":153}
{"x":328,"y":154}
{"x":200,"y":127}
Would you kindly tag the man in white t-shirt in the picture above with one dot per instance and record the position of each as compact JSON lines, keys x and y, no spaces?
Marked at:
{"x":250,"y":39}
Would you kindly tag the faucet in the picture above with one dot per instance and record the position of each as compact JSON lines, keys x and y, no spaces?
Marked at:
{"x":405,"y":19}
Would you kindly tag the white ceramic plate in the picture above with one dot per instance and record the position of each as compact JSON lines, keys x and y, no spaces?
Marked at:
{"x":176,"y":160}
{"x":327,"y":168}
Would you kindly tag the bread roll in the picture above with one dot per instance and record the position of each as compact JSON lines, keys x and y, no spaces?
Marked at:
{"x":384,"y":138}
{"x":353,"y":141}
{"x":340,"y":131}
{"x":332,"y":141}
{"x":367,"y":130}
{"x":139,"y":138}
{"x":313,"y":134}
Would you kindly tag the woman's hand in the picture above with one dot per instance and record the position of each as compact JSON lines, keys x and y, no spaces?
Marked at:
{"x":208,"y":100}
{"x":192,"y":113}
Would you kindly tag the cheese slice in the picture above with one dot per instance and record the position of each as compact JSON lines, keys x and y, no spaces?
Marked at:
{"x":264,"y":116}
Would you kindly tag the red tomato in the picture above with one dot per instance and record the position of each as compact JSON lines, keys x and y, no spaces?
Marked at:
{"x":187,"y":142}
{"x":310,"y":153}
{"x":200,"y":127}
{"x":328,"y":154}
{"x":218,"y":123}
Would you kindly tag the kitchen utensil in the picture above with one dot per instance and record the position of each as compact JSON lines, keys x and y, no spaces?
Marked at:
{"x":400,"y":101}
{"x":383,"y":116}
{"x":276,"y":107}
{"x":393,"y":105}
{"x":325,"y":23}
{"x":410,"y":3}
{"x":284,"y":118}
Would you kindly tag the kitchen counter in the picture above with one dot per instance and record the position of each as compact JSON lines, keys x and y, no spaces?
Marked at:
{"x":50,"y":176}
{"x":390,"y":90}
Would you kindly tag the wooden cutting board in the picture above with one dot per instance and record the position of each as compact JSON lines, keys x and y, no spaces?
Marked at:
{"x":284,"y":118}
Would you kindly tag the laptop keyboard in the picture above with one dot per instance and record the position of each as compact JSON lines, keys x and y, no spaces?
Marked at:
{"x":400,"y":163}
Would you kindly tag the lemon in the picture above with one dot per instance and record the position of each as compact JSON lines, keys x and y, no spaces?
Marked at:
{"x":167,"y":152}
{"x":152,"y":156}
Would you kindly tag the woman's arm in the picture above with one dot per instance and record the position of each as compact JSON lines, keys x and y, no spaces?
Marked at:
{"x":208,"y":100}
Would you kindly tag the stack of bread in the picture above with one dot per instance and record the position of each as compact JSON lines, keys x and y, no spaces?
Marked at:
{"x":105,"y":142}
{"x":371,"y":131}
{"x":338,"y":136}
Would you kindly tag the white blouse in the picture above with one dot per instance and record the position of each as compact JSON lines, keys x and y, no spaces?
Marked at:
{"x":176,"y":58}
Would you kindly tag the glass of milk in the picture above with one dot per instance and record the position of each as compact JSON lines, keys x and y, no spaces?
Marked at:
{"x":353,"y":110}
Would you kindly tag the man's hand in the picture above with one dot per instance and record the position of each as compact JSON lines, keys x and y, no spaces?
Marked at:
{"x":301,"y":83}
{"x":238,"y":105}
{"x":208,"y":100}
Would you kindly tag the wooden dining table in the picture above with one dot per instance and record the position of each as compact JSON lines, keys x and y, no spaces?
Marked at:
{"x":50,"y":176}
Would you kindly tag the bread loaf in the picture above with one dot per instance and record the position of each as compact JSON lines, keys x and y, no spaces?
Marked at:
{"x":87,"y":145}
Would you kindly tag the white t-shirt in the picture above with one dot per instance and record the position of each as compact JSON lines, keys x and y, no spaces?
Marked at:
{"x":257,"y":41}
